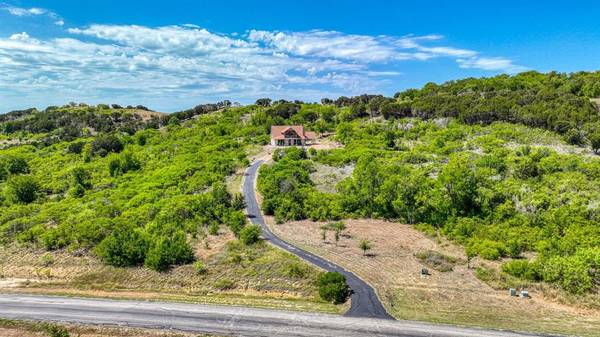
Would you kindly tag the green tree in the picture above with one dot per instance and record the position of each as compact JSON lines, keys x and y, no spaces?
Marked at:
{"x":167,"y":251}
{"x":250,"y":234}
{"x":22,"y":189}
{"x":365,"y":245}
{"x":333,"y":287}
{"x":124,"y":247}
{"x":460,"y":184}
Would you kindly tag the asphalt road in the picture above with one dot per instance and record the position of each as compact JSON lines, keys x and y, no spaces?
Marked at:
{"x":364,"y":299}
{"x":223,"y":320}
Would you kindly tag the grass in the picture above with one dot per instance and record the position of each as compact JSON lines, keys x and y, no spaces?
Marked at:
{"x":258,"y":275}
{"x":437,"y":260}
{"x":17,"y":328}
{"x":457,"y":296}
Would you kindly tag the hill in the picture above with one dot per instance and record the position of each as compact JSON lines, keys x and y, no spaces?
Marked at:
{"x":504,"y":167}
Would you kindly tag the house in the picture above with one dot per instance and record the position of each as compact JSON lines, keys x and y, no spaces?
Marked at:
{"x":291,"y":135}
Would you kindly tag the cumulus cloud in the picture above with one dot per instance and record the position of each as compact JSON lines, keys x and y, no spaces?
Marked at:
{"x":182,"y":65}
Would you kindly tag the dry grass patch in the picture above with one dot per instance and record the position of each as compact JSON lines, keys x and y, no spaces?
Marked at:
{"x":12,"y":328}
{"x":257,"y":275}
{"x":454,"y":296}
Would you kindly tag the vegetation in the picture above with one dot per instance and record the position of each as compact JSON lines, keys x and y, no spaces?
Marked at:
{"x":486,"y":162}
{"x":333,"y":288}
{"x":133,"y":200}
{"x":365,"y":245}
{"x":436,"y":260}
{"x":500,"y":189}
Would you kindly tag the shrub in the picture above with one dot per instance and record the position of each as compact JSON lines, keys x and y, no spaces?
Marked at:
{"x":487,"y":249}
{"x":200,"y":267}
{"x":333,"y":288}
{"x":575,"y":137}
{"x":224,"y":284}
{"x":54,"y":330}
{"x":295,"y":270}
{"x":46,"y":260}
{"x":22,"y":189}
{"x":521,"y":269}
{"x":124,"y":247}
{"x":250,"y":234}
{"x":75,"y":147}
{"x":123,"y":164}
{"x":236,"y":221}
{"x":167,"y":251}
{"x":105,"y":144}
{"x":15,"y":165}
{"x":436,"y":260}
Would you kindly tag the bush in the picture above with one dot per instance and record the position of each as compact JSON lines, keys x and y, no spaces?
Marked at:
{"x":333,"y":288}
{"x":22,"y":189}
{"x":521,"y":269}
{"x":54,"y":330}
{"x":124,"y":247}
{"x":436,"y":260}
{"x":224,"y":284}
{"x":123,"y":164}
{"x":295,"y":270}
{"x":487,"y":249}
{"x":15,"y":165}
{"x":200,"y":267}
{"x":105,"y":144}
{"x":46,"y":260}
{"x":166,"y":251}
{"x":75,"y":147}
{"x":250,"y":234}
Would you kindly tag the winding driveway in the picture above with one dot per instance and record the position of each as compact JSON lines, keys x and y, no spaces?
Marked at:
{"x":365,"y":302}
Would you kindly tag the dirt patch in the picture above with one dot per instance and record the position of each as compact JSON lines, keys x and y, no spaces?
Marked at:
{"x":455,"y":296}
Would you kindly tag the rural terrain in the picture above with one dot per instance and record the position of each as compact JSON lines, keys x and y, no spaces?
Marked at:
{"x":441,"y":199}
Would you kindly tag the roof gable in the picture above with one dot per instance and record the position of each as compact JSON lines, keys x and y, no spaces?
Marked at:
{"x":279,"y":131}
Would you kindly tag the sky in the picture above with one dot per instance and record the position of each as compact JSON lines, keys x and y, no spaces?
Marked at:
{"x":173,"y":55}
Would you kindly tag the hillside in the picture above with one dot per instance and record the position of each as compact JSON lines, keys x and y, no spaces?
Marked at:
{"x":504,"y":168}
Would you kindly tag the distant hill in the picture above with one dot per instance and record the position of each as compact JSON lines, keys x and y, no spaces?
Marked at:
{"x":74,"y":120}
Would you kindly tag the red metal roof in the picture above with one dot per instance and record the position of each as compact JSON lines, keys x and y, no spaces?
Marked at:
{"x":278,"y":132}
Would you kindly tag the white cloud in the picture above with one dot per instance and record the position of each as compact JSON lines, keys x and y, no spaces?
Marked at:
{"x":491,"y":64}
{"x":17,"y":11}
{"x":32,"y":12}
{"x":173,"y":66}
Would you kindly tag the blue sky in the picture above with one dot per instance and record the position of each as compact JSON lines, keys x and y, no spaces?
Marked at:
{"x":171,"y":55}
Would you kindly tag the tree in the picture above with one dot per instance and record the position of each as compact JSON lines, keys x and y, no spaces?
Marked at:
{"x":264,"y":102}
{"x":250,"y":234}
{"x":124,"y":247}
{"x":364,"y":245}
{"x":460,"y":184}
{"x":22,"y":189}
{"x":169,"y":250}
{"x":105,"y":144}
{"x":333,"y":287}
{"x":338,"y":227}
